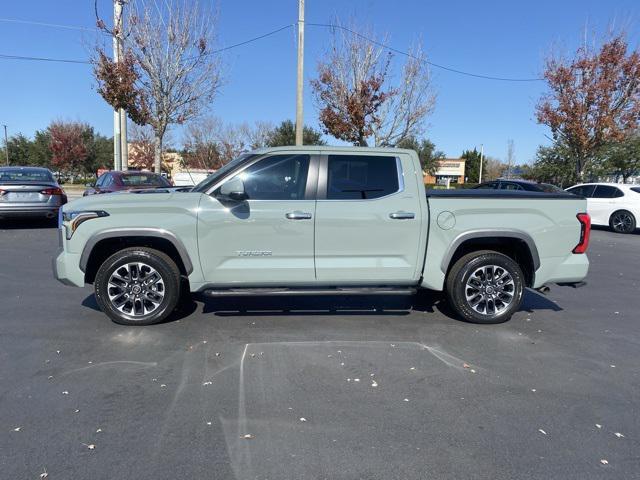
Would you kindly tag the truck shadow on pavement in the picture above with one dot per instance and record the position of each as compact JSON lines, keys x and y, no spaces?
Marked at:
{"x":425,"y":302}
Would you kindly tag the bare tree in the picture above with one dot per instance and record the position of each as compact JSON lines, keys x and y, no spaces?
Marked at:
{"x":210,"y":143}
{"x":176,"y":72}
{"x":511,"y":156}
{"x":402,"y":115}
{"x":356,"y":99}
{"x":141,"y":146}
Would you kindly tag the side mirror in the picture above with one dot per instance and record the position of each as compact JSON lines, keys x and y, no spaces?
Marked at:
{"x":234,"y":190}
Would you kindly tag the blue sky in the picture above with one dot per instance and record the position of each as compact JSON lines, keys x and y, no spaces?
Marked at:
{"x":499,"y":38}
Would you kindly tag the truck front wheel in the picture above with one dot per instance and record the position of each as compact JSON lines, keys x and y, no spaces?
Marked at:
{"x":485,"y":287}
{"x":138,"y":286}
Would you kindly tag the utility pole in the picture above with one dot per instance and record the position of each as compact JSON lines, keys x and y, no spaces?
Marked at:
{"x":481,"y":158}
{"x":299,"y":119}
{"x":117,"y":147}
{"x":120,"y":149}
{"x":6,"y":144}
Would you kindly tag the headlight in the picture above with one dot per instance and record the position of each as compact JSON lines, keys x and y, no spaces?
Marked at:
{"x":73,"y":219}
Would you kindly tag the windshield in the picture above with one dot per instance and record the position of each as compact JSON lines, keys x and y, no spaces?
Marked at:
{"x":212,"y":179}
{"x":144,"y":179}
{"x":25,"y":175}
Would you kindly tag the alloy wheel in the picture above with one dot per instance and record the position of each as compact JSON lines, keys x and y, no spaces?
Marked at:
{"x":622,"y":222}
{"x":136,"y":289}
{"x":489,"y":290}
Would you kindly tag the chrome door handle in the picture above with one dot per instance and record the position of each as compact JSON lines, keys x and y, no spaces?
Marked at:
{"x":402,"y":215}
{"x":298,"y":215}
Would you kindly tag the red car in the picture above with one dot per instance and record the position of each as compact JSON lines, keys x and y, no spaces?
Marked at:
{"x":122,"y":181}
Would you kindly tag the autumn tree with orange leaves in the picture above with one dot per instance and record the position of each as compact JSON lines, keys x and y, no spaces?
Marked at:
{"x":593,"y":100}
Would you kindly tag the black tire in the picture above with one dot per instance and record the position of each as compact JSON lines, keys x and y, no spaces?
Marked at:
{"x":497,"y":309}
{"x":170,"y":282}
{"x":622,"y":221}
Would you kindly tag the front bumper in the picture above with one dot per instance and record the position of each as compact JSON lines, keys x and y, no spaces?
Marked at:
{"x":66,"y":266}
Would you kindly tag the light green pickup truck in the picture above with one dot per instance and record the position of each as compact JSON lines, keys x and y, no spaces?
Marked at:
{"x":320,"y":220}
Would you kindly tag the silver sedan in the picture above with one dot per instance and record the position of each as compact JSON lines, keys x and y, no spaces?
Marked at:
{"x":29,"y":192}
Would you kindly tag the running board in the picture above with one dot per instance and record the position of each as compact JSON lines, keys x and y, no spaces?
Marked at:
{"x":274,"y":292}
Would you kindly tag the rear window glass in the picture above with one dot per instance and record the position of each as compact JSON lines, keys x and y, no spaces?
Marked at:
{"x":547,"y":187}
{"x":607,"y":191}
{"x":144,"y":179}
{"x":361,"y":177}
{"x":487,"y":186}
{"x":25,"y":176}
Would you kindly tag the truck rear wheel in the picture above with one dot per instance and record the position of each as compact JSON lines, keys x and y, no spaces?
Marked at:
{"x":485,"y":287}
{"x":138,"y":286}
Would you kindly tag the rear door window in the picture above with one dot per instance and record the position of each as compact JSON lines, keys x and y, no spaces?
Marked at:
{"x":582,"y":190}
{"x":361,"y":177}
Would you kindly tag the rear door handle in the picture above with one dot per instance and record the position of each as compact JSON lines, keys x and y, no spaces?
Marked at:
{"x":402,"y":215}
{"x":298,"y":215}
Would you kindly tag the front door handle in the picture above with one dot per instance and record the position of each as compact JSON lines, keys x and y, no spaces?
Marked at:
{"x":402,"y":215}
{"x":298,"y":215}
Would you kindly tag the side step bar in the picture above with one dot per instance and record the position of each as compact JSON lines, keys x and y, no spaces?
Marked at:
{"x":246,"y":292}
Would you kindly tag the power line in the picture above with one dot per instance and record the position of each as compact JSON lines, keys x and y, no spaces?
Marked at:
{"x":44,"y":24}
{"x":66,"y":60}
{"x":42,"y":59}
{"x":436,"y":65}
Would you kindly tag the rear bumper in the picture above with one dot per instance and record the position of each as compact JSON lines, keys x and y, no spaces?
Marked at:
{"x":66,"y":266}
{"x":22,"y":211}
{"x":572,"y":269}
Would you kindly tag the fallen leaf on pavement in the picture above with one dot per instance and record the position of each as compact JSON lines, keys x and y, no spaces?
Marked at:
{"x":65,"y":392}
{"x":604,"y":462}
{"x":598,"y":425}
{"x":374,"y":383}
{"x":619,"y":435}
{"x":17,"y":429}
{"x":542,"y":431}
{"x":302,"y":419}
{"x":207,"y":383}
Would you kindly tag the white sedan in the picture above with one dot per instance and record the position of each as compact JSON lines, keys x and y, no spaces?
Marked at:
{"x":613,"y":204}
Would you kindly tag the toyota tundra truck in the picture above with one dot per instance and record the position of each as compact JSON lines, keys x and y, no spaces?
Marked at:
{"x":320,"y":221}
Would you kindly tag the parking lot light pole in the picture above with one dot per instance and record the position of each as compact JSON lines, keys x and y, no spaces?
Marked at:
{"x":6,"y":144}
{"x":481,"y":155}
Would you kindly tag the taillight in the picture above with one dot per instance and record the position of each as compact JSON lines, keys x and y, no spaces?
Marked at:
{"x":52,"y":191}
{"x":585,"y":232}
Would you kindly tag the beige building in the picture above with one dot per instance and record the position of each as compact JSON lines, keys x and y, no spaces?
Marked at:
{"x":449,"y":169}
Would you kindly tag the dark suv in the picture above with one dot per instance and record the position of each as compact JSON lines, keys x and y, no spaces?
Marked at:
{"x":526,"y":185}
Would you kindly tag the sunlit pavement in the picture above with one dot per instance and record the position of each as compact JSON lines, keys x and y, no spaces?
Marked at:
{"x":310,"y":388}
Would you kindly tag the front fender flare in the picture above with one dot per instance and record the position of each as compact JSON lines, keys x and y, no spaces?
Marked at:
{"x":135,"y":232}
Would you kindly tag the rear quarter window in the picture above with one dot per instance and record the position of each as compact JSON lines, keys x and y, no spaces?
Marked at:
{"x":635,"y":189}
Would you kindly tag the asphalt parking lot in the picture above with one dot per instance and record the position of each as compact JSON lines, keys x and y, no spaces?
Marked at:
{"x":335,"y":388}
